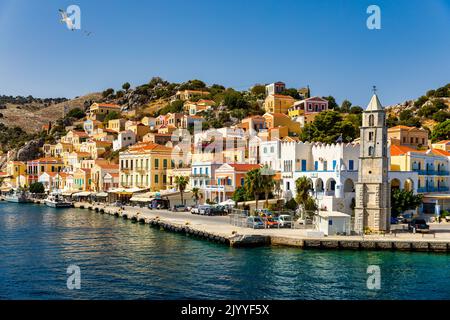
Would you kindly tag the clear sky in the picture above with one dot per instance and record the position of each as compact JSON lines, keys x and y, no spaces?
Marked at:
{"x":324,"y":44}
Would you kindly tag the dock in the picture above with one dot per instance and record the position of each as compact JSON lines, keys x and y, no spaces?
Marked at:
{"x":218,"y":229}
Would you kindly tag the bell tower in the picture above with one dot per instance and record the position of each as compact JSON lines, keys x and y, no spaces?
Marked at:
{"x":373,"y":194}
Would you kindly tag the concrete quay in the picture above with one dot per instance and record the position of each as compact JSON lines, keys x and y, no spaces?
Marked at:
{"x":219,"y":230}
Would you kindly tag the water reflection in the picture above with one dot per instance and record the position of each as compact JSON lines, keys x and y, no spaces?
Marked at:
{"x":122,"y":260}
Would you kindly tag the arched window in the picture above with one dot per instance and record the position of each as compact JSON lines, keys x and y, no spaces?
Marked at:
{"x":371,"y":120}
{"x":370,"y":151}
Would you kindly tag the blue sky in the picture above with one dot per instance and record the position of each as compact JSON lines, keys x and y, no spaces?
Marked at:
{"x":324,"y":44}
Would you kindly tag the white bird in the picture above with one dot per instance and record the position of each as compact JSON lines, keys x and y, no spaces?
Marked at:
{"x":65,"y":19}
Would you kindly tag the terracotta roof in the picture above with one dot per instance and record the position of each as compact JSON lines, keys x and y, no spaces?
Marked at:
{"x":148,"y":146}
{"x":48,"y":159}
{"x":400,"y":150}
{"x":441,"y":152}
{"x":278,"y":115}
{"x":80,"y":133}
{"x":402,"y":127}
{"x":281,"y":96}
{"x":110,"y":105}
{"x":108,"y":166}
{"x":244,"y":166}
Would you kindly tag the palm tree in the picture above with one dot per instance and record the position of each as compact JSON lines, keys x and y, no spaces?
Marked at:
{"x":303,"y":198}
{"x":253,"y":184}
{"x":268,"y":184}
{"x":181,"y":182}
{"x":196,"y":195}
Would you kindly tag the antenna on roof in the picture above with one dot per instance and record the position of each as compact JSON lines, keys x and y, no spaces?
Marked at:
{"x":374,"y":89}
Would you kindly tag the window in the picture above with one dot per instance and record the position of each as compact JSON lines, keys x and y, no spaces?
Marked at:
{"x":325,"y":165}
{"x":156,"y":163}
{"x":195,"y":170}
{"x":370,"y":136}
{"x":334,"y":164}
{"x":272,"y":149}
{"x":242,"y":181}
{"x":350,"y":165}
{"x":303,"y":165}
{"x":316,"y":166}
{"x":371,"y":120}
{"x":370,"y":151}
{"x":165,"y":163}
{"x":156,"y":178}
{"x":206,"y":171}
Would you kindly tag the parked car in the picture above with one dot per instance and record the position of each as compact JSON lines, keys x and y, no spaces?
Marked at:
{"x":200,"y":209}
{"x":285,"y":221}
{"x":255,"y":222}
{"x":419,"y":224}
{"x":405,"y":218}
{"x":304,"y":221}
{"x":179,"y":208}
{"x":394,"y":220}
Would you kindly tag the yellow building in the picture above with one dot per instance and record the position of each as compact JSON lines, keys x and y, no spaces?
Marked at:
{"x":82,"y":180}
{"x":98,"y":111}
{"x":16,"y":173}
{"x":442,"y":145}
{"x":432,"y":167}
{"x":117,"y":125}
{"x":35,"y":168}
{"x":277,"y":103}
{"x":139,"y":129}
{"x":274,"y":120}
{"x":188,"y":94}
{"x":408,"y":136}
{"x":144,"y":165}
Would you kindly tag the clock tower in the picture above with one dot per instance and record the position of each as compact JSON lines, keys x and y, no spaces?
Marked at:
{"x":373,"y":192}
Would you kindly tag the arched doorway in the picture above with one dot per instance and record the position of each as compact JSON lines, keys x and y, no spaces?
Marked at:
{"x":409,"y":185}
{"x":395,"y":184}
{"x":331,"y":187}
{"x":349,"y":186}
{"x":319,"y":185}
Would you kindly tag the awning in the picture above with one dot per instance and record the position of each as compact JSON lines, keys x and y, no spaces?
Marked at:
{"x":126,"y":191}
{"x":67,"y":193}
{"x":101,"y":195}
{"x":82,"y":194}
{"x":139,"y":199}
{"x":143,"y":197}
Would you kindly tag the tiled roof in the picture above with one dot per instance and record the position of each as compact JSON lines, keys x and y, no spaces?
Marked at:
{"x":400,"y":150}
{"x":148,"y":146}
{"x":443,"y":142}
{"x":441,"y":152}
{"x":244,"y":166}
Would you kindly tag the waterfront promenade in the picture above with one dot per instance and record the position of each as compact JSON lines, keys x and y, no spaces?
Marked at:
{"x":218,"y":228}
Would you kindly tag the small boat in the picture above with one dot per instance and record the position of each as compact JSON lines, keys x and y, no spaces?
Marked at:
{"x":17,"y":196}
{"x":56,"y":201}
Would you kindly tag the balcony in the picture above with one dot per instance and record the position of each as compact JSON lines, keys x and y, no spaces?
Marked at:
{"x":442,"y":173}
{"x":431,"y":172}
{"x":442,"y":189}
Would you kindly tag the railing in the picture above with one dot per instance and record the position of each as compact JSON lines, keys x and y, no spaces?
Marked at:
{"x":432,"y":172}
{"x":433,"y":189}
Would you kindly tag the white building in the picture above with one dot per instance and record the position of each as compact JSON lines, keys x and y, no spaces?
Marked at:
{"x":332,"y":170}
{"x":124,"y":139}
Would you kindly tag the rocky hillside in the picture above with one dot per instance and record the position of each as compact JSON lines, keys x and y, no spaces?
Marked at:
{"x":32,"y":114}
{"x":427,"y":111}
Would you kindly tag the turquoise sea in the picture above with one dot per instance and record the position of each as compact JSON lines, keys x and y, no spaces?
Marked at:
{"x":119,"y":259}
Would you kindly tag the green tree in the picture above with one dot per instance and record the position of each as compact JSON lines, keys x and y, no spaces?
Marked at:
{"x":181,"y":182}
{"x":239,"y":195}
{"x":405,"y":115}
{"x":420,"y":101}
{"x":126,"y":86}
{"x":303,"y":197}
{"x":268,"y":184}
{"x":356,"y":110}
{"x":345,"y":106}
{"x":427,"y":110}
{"x":402,"y":200}
{"x":331,"y":102}
{"x":292,"y":92}
{"x":258,"y":90}
{"x":76,"y":113}
{"x":111,"y":116}
{"x":37,"y":187}
{"x":107,"y":92}
{"x":440,"y":104}
{"x":196,"y":194}
{"x":441,"y":131}
{"x":253,"y":183}
{"x":441,"y":116}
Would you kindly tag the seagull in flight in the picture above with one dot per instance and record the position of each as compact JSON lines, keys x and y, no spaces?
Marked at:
{"x":65,"y":19}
